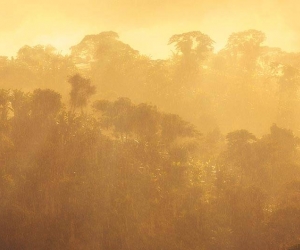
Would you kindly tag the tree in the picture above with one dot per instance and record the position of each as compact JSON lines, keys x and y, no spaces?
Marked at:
{"x":4,"y":108}
{"x":41,"y":67}
{"x":244,"y":48}
{"x":81,"y":91}
{"x":192,"y":44}
{"x":45,"y":103}
{"x":192,"y":48}
{"x":284,"y":226}
{"x":288,"y":80}
{"x":239,"y":156}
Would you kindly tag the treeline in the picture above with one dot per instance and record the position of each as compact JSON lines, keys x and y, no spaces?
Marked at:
{"x":245,"y":85}
{"x":117,"y":175}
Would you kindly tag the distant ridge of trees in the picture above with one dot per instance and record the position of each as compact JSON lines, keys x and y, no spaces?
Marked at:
{"x":244,"y":85}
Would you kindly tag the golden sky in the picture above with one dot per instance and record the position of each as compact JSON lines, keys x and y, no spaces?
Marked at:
{"x":144,"y":24}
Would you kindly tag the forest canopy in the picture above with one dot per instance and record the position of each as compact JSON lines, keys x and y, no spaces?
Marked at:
{"x":106,"y":148}
{"x":245,"y":85}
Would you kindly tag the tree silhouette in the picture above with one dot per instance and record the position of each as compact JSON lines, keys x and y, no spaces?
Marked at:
{"x":192,"y":44}
{"x":81,"y":91}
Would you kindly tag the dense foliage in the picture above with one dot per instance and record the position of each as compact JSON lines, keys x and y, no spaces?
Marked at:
{"x":108,"y":170}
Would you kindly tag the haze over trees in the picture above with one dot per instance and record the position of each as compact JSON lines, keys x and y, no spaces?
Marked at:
{"x":107,"y":148}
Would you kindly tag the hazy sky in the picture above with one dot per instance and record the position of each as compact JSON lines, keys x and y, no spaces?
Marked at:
{"x":144,"y":24}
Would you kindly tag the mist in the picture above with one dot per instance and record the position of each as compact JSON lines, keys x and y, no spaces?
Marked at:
{"x":146,"y":25}
{"x":129,"y":125}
